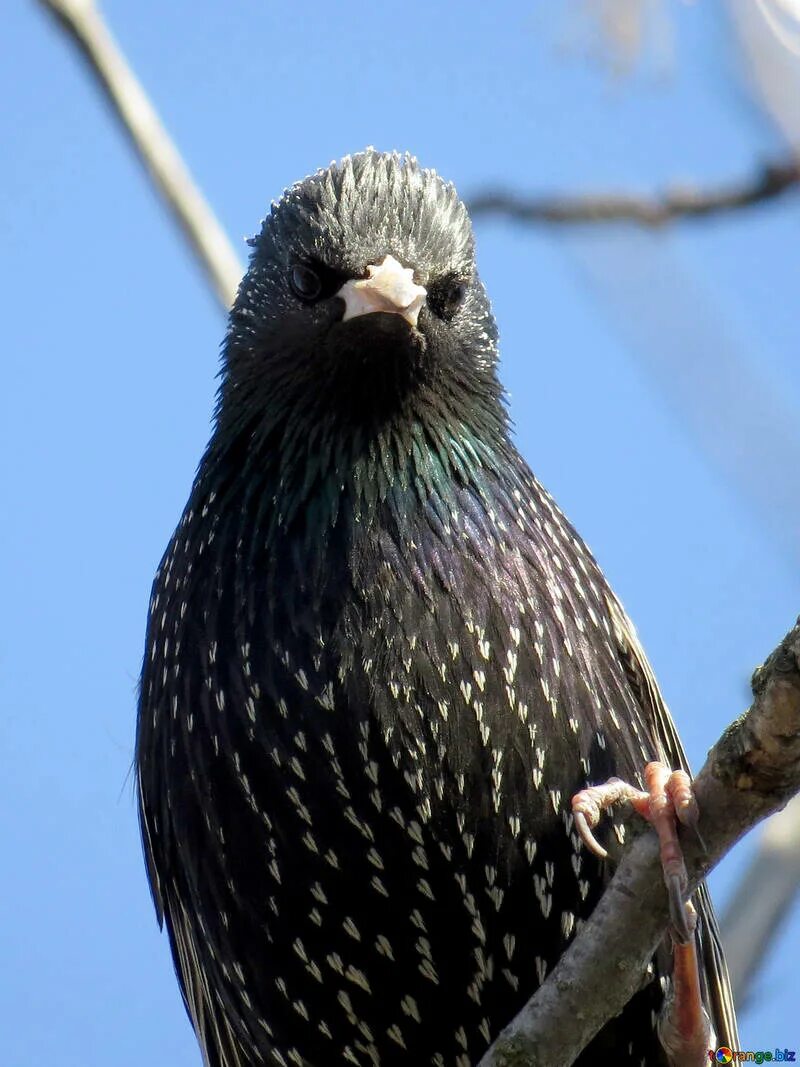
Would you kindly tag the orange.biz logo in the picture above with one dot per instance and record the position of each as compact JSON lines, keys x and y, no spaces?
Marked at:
{"x":727,"y":1055}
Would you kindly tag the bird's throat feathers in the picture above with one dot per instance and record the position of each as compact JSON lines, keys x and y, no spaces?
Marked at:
{"x":310,"y":474}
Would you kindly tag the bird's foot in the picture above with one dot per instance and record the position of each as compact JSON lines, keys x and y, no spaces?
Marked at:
{"x":669,"y":799}
{"x":684,"y":1028}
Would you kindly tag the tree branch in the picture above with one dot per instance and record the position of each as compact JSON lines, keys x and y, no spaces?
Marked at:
{"x":769,"y":182}
{"x":83,"y":22}
{"x":751,"y":772}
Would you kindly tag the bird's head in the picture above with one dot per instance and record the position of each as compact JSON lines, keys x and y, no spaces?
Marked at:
{"x":362,"y":300}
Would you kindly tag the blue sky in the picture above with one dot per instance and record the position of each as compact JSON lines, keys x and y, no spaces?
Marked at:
{"x":110,"y":350}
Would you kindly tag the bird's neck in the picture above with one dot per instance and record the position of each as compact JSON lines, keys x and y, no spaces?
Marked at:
{"x":309,"y":475}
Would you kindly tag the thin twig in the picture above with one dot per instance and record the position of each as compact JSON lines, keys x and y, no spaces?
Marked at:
{"x":770,"y":181}
{"x":752,"y":771}
{"x":83,"y":22}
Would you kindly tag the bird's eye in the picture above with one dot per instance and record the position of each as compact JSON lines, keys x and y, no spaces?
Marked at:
{"x":446,"y":295}
{"x":305,"y":283}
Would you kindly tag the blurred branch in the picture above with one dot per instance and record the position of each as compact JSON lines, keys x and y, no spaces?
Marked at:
{"x":751,"y":772}
{"x":768,"y":35}
{"x":743,"y":424}
{"x":783,"y":20}
{"x":769,"y":182}
{"x":771,"y":71}
{"x":751,"y":920}
{"x":623,"y":34}
{"x":84,"y":24}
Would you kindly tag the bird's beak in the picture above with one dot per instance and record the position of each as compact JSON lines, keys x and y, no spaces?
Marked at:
{"x":389,"y":286}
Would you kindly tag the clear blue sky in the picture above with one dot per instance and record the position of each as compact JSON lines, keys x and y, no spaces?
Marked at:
{"x":110,"y":344}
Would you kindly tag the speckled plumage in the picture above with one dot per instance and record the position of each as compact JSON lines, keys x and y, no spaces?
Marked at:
{"x":379,"y":663}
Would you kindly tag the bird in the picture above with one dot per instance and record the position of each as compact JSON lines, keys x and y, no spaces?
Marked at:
{"x":379,"y":664}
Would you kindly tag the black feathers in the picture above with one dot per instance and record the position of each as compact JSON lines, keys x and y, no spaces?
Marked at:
{"x":379,"y":663}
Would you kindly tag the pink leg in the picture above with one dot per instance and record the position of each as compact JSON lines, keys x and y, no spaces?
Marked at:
{"x":684,"y":1027}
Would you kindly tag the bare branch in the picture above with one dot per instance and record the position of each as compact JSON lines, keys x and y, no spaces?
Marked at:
{"x":769,"y":182}
{"x":752,"y":771}
{"x":83,"y":22}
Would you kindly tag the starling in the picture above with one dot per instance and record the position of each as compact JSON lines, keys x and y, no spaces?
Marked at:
{"x":379,"y":664}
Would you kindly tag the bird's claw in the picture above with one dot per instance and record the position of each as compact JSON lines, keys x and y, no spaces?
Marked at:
{"x":669,"y":799}
{"x":590,"y":803}
{"x":677,"y":787}
{"x":584,"y":824}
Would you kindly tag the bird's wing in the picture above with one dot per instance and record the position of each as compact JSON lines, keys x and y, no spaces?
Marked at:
{"x":218,"y":1043}
{"x":717,"y":992}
